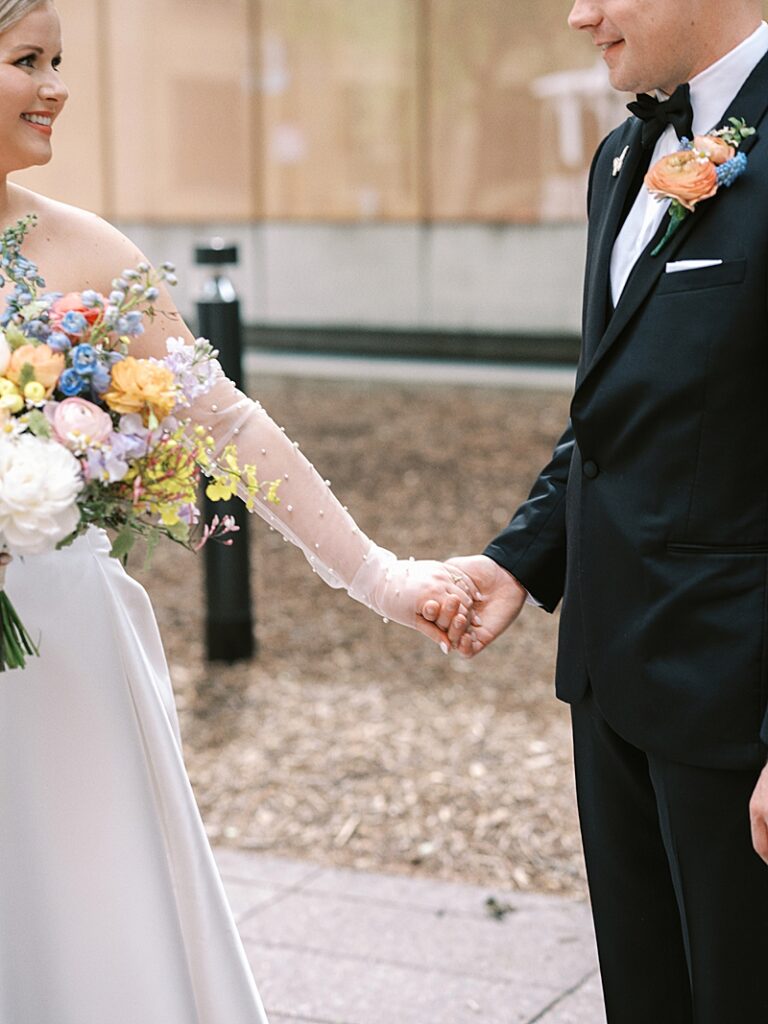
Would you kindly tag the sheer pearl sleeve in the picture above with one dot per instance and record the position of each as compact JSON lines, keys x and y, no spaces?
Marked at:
{"x":309,"y":515}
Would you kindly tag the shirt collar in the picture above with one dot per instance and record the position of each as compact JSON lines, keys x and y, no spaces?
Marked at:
{"x":714,"y":89}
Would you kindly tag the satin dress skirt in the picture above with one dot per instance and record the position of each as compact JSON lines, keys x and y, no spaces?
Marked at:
{"x":111,"y":905}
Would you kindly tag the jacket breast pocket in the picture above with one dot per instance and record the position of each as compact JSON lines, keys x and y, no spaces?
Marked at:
{"x":683,"y":548}
{"x":732,"y":272}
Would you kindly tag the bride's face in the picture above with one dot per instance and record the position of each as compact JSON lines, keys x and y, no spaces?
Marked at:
{"x":32,"y":93}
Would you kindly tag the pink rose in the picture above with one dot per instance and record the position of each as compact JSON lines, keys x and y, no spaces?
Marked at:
{"x":717,"y":149}
{"x":72,"y":302}
{"x":78,"y":423}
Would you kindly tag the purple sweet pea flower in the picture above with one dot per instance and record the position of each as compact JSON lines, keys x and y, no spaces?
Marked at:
{"x":105,"y":464}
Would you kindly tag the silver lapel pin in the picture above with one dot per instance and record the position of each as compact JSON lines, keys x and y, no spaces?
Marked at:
{"x":618,"y":162}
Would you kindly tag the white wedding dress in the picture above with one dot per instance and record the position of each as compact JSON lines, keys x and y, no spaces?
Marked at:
{"x":112,"y":910}
{"x":111,"y":907}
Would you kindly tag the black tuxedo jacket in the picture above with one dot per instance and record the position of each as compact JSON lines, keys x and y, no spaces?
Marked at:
{"x":651,"y":520}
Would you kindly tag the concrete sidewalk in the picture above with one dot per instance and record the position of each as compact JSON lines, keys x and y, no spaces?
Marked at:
{"x":335,"y":946}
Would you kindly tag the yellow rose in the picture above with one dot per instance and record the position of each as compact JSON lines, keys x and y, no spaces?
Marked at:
{"x":684,"y":176}
{"x":142,"y":387}
{"x":45,"y":364}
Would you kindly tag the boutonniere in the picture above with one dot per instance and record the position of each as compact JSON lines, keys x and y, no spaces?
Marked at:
{"x":696,"y":172}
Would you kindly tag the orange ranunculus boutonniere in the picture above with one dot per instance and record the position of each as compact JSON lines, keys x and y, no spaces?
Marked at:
{"x":685,"y":176}
{"x":696,"y":172}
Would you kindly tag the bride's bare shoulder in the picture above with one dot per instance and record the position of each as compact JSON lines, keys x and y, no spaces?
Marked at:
{"x":95,"y":250}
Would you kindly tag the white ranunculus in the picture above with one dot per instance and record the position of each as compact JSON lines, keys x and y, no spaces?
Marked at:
{"x":5,"y":353}
{"x":39,"y":484}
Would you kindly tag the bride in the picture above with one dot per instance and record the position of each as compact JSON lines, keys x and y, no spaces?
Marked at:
{"x":111,"y":906}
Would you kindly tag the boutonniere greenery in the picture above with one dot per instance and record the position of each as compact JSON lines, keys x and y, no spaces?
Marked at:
{"x":697,"y":171}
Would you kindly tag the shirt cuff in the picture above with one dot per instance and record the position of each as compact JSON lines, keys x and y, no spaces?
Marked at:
{"x":530,"y":599}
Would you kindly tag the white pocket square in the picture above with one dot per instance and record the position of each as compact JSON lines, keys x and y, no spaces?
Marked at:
{"x":681,"y":265}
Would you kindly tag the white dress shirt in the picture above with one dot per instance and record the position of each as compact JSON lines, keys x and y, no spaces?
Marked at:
{"x":712,"y":92}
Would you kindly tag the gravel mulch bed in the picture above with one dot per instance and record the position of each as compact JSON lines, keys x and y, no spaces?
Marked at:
{"x":351,"y":742}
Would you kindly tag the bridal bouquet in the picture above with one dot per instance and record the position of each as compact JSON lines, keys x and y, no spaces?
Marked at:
{"x":90,"y":435}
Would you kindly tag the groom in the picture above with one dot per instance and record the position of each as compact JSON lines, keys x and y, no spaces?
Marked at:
{"x":651,"y":523}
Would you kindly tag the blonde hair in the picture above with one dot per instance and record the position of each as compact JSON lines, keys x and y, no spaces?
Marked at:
{"x":12,"y":11}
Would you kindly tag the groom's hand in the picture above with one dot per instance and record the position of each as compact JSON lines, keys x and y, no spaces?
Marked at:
{"x":501,"y":601}
{"x":758,"y":815}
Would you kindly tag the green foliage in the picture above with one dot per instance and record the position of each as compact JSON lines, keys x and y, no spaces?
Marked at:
{"x":15,"y":336}
{"x":735,"y":132}
{"x":27,"y":375}
{"x":123,"y":544}
{"x":38,"y":424}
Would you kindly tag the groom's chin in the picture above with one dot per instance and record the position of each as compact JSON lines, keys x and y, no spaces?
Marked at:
{"x":624,"y":78}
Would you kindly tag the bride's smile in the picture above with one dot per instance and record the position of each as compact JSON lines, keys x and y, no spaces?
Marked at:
{"x":32,"y":93}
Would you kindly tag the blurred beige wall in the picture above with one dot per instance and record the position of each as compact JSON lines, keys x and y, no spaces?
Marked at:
{"x":327,"y":110}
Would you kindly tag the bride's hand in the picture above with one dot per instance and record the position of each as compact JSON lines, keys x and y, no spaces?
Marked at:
{"x":399,"y":589}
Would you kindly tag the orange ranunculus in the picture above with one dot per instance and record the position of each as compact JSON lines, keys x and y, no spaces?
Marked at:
{"x":46,"y":365}
{"x":683,"y":176}
{"x":143,"y":387}
{"x":717,"y":149}
{"x":72,"y":302}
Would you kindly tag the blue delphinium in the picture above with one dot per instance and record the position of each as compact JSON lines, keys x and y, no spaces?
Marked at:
{"x":130,"y":324}
{"x":59,"y":341}
{"x":37,"y":330}
{"x":84,"y":360}
{"x":101,"y":379}
{"x":71,"y":383}
{"x":74,"y":324}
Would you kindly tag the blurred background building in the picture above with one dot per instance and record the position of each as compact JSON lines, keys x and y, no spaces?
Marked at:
{"x":399,"y":170}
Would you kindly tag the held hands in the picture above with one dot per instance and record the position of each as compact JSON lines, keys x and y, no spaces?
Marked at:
{"x":498,"y":602}
{"x":399,"y":590}
{"x":464,"y":603}
{"x":758,"y":815}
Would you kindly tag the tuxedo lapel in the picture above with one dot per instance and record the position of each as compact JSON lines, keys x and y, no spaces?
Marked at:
{"x":626,"y":160}
{"x":750,"y":104}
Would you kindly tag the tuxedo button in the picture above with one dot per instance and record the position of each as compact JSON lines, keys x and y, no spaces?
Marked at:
{"x":591,"y":469}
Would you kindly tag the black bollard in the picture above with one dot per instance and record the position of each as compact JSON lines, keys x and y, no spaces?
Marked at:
{"x":229,"y":614}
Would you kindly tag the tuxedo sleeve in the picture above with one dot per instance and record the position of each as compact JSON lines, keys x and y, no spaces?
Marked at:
{"x":533,"y":546}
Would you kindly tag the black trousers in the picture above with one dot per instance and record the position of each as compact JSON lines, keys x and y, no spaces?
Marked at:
{"x":679,"y":897}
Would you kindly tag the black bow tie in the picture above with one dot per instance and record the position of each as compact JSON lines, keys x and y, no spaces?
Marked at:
{"x":677,"y":111}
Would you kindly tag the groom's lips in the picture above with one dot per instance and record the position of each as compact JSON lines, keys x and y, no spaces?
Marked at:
{"x":610,"y":46}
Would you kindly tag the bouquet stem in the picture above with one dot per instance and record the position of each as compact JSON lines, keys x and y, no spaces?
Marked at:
{"x":15,"y":642}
